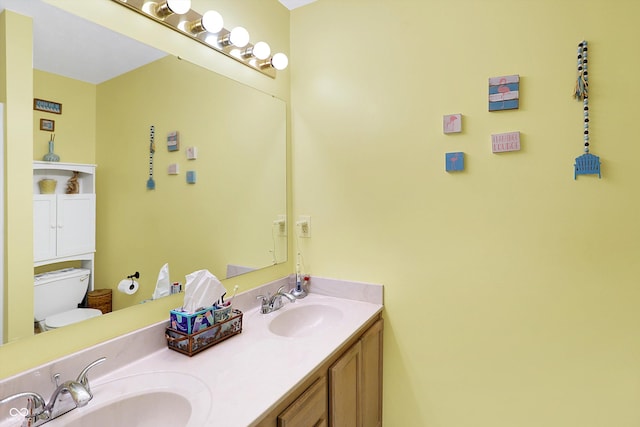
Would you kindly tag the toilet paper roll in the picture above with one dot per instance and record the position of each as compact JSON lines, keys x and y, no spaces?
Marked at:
{"x":128,"y":286}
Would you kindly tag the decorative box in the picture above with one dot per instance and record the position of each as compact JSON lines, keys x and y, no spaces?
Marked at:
{"x":193,"y":343}
{"x":191,"y":322}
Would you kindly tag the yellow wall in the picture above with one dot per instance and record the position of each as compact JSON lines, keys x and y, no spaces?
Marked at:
{"x":75,"y":129}
{"x":511,"y":289}
{"x":16,"y":40}
{"x":269,"y":22}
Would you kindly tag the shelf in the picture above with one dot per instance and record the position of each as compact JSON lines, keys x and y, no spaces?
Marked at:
{"x":62,"y":172}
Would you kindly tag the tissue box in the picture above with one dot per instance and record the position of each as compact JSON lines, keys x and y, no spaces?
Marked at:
{"x":191,"y":322}
{"x":191,"y":344}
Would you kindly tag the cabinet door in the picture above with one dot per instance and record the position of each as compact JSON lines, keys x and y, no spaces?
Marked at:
{"x":371,"y":398}
{"x":344,"y":389}
{"x":76,"y":224}
{"x":44,"y":227}
{"x":310,"y":409}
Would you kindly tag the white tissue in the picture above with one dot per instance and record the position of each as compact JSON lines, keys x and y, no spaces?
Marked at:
{"x":163,"y":285}
{"x":202,"y":289}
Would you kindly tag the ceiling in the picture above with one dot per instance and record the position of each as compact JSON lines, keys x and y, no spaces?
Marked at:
{"x":292,"y":4}
{"x":73,"y":47}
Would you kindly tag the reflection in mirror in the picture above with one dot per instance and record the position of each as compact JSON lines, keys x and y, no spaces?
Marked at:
{"x":231,"y":140}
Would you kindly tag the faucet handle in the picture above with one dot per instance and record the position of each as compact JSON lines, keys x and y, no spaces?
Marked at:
{"x":35,"y":404}
{"x":55,"y":378}
{"x":83,"y":378}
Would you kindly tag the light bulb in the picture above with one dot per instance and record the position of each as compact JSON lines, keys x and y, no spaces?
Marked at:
{"x":179,"y":6}
{"x":261,"y":50}
{"x":279,"y":61}
{"x":239,"y":37}
{"x":212,"y":21}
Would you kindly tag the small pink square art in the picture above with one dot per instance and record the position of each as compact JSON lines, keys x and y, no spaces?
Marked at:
{"x":452,"y":123}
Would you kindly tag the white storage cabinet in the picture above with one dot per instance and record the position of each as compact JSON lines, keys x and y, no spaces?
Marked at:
{"x":64,"y":225}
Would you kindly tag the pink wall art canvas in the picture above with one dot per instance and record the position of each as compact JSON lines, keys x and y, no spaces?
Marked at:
{"x":452,"y":123}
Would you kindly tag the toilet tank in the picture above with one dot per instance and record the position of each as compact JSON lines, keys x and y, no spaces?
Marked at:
{"x":58,"y":291}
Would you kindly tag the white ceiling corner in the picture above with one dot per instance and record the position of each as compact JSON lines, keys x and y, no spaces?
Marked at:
{"x":67,"y":45}
{"x":293,"y":4}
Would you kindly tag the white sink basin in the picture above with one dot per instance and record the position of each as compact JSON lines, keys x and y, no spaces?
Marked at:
{"x":145,"y":400}
{"x":304,"y":319}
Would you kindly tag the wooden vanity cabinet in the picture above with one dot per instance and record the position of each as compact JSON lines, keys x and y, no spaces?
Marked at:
{"x":345,"y":391}
{"x":310,"y":409}
{"x":355,"y":383}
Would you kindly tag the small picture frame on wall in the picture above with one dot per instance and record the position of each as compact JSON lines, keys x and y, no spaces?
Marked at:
{"x":47,"y":125}
{"x":504,"y":93}
{"x":452,"y":123}
{"x":47,"y":106}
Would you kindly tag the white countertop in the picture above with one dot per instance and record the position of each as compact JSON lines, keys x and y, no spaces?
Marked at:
{"x":249,"y":373}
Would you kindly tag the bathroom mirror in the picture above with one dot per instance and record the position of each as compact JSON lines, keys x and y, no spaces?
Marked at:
{"x":231,"y":136}
{"x":218,"y":194}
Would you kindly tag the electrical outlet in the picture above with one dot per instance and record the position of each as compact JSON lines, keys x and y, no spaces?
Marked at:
{"x":304,"y":224}
{"x":282,"y":225}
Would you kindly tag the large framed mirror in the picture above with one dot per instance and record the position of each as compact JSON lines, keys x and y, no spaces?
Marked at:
{"x":225,"y":221}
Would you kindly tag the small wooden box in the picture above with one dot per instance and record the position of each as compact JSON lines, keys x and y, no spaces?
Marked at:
{"x":191,"y":344}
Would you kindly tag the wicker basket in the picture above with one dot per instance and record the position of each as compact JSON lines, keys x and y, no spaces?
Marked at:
{"x":100,"y":299}
{"x":47,"y":186}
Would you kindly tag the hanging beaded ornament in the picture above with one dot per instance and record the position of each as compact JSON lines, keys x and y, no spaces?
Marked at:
{"x":586,"y":164}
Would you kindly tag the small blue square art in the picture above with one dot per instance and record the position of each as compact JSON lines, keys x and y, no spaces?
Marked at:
{"x":454,"y":162}
{"x":191,"y":177}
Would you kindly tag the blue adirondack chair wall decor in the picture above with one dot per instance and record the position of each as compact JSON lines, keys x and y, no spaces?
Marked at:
{"x":587,"y":164}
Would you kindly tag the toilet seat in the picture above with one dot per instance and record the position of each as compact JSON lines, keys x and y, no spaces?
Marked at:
{"x":71,"y":316}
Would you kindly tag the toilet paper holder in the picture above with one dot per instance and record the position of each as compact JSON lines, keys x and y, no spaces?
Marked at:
{"x":132,"y":286}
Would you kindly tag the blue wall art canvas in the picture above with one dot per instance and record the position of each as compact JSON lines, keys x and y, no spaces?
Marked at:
{"x":504,"y":93}
{"x":454,"y":162}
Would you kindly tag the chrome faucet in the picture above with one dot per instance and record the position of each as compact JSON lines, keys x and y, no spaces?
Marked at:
{"x":271,"y":303}
{"x":38,"y":413}
{"x":35,"y":406}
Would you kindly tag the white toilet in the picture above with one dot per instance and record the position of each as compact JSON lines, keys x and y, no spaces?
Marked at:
{"x":56,"y":296}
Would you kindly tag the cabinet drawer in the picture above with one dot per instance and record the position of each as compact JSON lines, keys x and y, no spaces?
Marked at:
{"x":310,"y":409}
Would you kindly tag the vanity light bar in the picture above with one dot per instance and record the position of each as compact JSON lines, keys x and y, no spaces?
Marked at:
{"x":187,"y":25}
